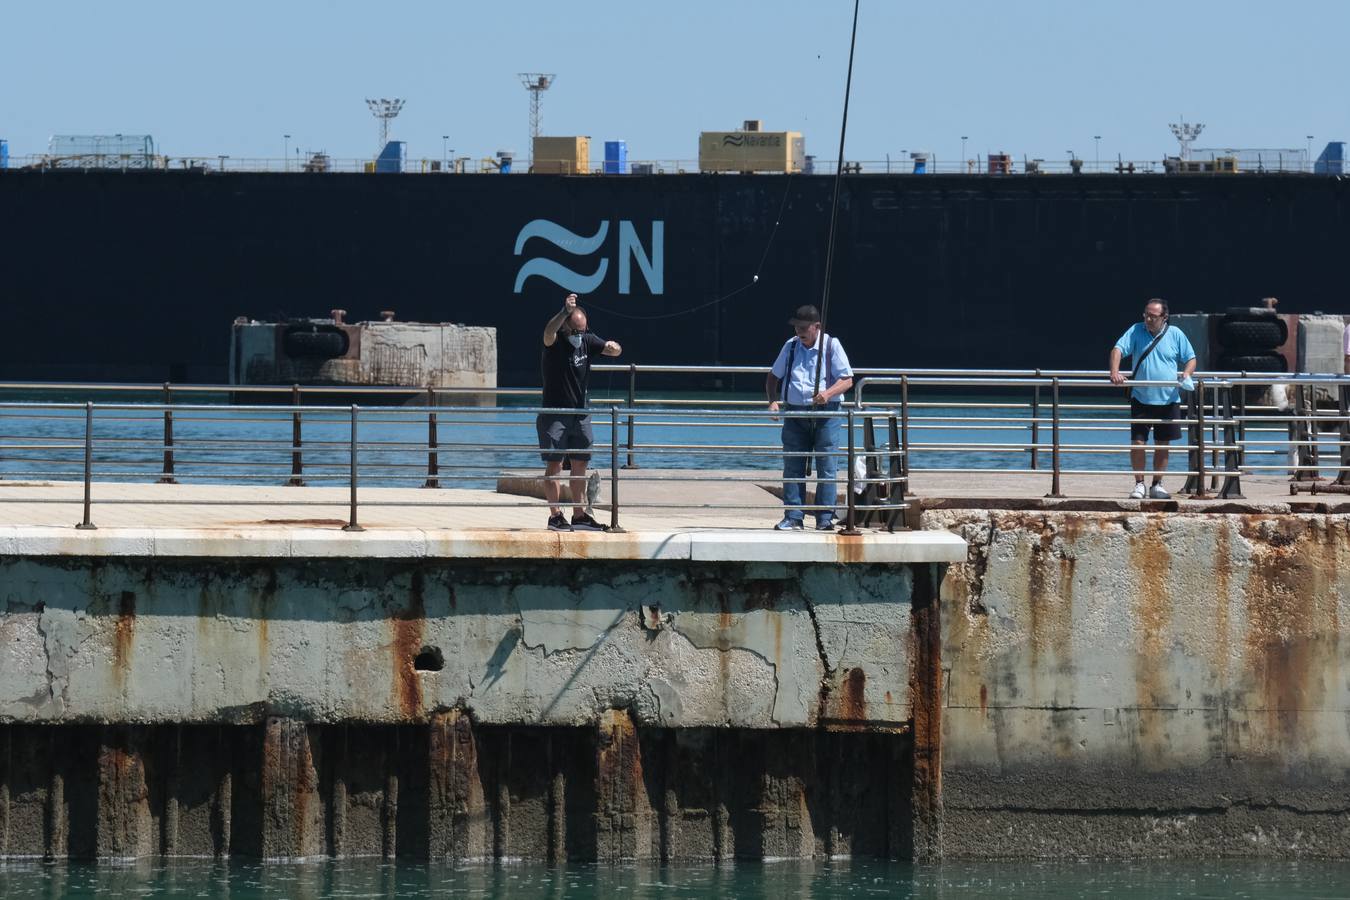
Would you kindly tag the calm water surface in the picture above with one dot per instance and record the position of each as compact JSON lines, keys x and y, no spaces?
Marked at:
{"x":1217,"y":879}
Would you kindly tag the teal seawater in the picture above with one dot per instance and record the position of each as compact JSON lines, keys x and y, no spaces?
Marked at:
{"x":361,"y":879}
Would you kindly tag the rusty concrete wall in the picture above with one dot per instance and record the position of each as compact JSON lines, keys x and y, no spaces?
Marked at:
{"x":1126,"y":684}
{"x":754,"y":645}
{"x":451,"y":790}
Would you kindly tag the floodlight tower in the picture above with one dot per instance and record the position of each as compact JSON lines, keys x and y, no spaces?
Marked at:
{"x":1186,"y":133}
{"x":386,"y":111}
{"x":536,"y":83}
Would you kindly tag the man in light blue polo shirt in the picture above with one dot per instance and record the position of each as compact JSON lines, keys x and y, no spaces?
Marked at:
{"x":1156,"y":352}
{"x":796,"y":382}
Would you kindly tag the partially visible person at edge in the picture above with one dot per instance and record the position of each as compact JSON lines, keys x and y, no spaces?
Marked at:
{"x":565,"y":366}
{"x":1170,"y":351}
{"x":795,"y":382}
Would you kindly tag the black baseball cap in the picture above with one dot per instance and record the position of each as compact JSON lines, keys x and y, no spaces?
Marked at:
{"x":805,"y":315}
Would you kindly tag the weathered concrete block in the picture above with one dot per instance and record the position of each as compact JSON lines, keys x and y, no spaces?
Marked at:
{"x":1145,"y":684}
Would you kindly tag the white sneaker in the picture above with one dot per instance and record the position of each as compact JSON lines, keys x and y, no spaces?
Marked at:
{"x":1157,"y":493}
{"x":1139,"y":492}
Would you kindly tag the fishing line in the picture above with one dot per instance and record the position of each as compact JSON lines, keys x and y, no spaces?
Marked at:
{"x":768,"y":245}
{"x":838,"y":177}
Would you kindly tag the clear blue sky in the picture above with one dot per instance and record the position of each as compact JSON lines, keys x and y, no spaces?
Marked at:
{"x":1033,"y":77}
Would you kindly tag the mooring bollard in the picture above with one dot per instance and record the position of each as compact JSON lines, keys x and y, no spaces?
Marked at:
{"x":613,"y":469}
{"x":86,"y":524}
{"x":351,"y":521}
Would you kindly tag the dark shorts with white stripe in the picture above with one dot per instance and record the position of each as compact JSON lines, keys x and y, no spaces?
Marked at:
{"x":564,"y":438}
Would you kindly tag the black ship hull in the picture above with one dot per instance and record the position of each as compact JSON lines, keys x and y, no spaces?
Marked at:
{"x":137,"y":276}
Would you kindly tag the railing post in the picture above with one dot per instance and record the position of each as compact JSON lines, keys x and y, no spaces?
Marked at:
{"x":851,"y":521}
{"x":351,"y":520}
{"x":86,"y":524}
{"x":166,"y":476}
{"x":613,"y":470}
{"x":1035,"y":422}
{"x":632,"y":405}
{"x":904,"y":430}
{"x":1343,"y":433}
{"x":1199,"y":493}
{"x":1054,"y":439}
{"x":433,"y":458}
{"x":1231,"y":488}
{"x":1305,"y":434}
{"x":297,"y":462}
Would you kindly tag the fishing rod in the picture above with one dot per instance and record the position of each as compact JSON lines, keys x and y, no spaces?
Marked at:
{"x":834,"y":207}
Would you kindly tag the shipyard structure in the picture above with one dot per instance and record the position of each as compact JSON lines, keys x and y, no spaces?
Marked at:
{"x":137,"y":275}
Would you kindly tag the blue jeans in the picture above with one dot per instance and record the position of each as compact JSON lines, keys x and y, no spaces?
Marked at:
{"x":819,"y":437}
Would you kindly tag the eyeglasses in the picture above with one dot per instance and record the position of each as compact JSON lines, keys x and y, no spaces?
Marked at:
{"x":1152,"y":316}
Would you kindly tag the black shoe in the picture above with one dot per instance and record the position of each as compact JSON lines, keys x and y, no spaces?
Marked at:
{"x":558,"y":523}
{"x":825,"y":525}
{"x":789,"y":524}
{"x":584,"y":522}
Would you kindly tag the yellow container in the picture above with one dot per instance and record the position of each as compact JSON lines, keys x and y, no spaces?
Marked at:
{"x":369,"y":166}
{"x":561,"y":155}
{"x":751,"y":151}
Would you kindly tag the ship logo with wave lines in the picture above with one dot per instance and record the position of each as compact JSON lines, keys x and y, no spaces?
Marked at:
{"x":732,"y":140}
{"x":650,"y":262}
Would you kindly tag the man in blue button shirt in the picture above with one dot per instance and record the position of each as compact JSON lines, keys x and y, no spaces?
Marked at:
{"x":1156,"y":352}
{"x":796,"y":382}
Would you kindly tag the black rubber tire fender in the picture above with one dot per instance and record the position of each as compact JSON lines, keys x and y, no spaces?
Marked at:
{"x":1252,"y":334}
{"x":1263,"y":362}
{"x":315,"y":342}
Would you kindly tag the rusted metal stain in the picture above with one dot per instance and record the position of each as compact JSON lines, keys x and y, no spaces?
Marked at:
{"x":408,"y":626}
{"x":850,"y":548}
{"x":290,"y":790}
{"x":1151,"y":561}
{"x":124,"y":629}
{"x":1292,"y":617}
{"x":1050,"y":587}
{"x":853,"y":698}
{"x":623,"y":813}
{"x":925,"y":696}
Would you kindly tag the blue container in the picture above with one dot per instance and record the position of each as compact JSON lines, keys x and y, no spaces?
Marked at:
{"x":4,"y":154}
{"x":1331,"y":162}
{"x":616,"y":157}
{"x":390,"y":158}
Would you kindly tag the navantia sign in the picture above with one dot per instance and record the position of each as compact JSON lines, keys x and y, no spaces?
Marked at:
{"x":649,"y":260}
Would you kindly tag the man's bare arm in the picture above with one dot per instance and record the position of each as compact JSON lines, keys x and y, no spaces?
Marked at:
{"x":771,"y":385}
{"x":1116,"y":377}
{"x":551,"y":329}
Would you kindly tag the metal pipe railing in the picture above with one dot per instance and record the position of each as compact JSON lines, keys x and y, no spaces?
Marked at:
{"x":235,"y":444}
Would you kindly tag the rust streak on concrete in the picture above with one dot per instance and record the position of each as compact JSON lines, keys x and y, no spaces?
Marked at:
{"x":408,"y":626}
{"x":124,"y":630}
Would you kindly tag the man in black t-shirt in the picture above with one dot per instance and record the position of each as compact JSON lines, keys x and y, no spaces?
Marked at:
{"x":565,"y":366}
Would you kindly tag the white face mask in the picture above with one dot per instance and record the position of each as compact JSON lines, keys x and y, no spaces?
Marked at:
{"x":575,"y":341}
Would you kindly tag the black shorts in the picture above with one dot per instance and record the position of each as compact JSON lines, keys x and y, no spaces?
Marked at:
{"x":1166,"y":430}
{"x":563,"y":436}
